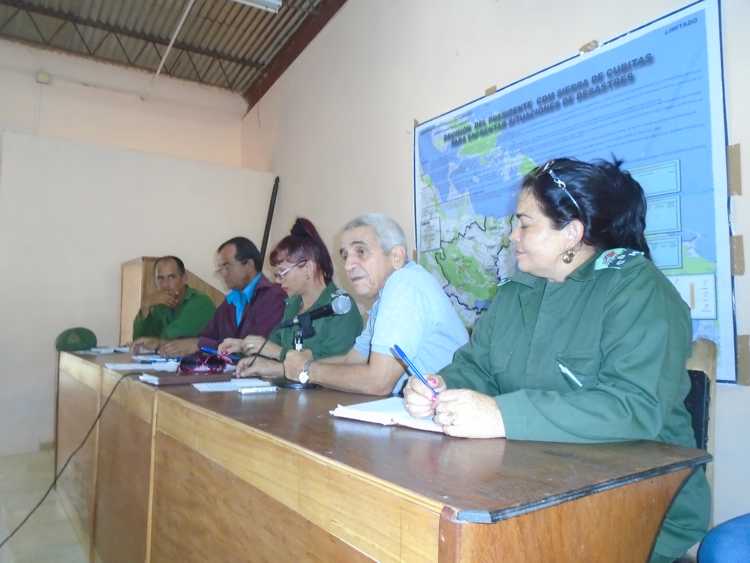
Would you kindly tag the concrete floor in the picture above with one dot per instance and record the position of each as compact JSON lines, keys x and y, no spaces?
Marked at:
{"x":48,"y":535}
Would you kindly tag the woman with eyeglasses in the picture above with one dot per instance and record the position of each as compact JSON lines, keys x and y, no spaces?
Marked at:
{"x":305,"y":271}
{"x":586,"y":343}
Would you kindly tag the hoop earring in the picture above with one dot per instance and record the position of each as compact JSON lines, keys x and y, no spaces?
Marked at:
{"x":568,"y":256}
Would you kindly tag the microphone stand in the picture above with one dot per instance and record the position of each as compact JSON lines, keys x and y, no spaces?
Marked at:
{"x":303,"y":328}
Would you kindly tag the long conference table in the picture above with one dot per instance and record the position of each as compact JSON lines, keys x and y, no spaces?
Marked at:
{"x":172,"y":474}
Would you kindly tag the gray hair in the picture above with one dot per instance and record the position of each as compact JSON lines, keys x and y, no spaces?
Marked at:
{"x":389,"y":233}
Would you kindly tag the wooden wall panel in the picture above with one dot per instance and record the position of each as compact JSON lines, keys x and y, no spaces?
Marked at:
{"x":614,"y":525}
{"x":202,"y":512}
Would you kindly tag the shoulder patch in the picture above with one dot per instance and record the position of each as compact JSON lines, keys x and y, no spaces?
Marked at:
{"x":616,"y":258}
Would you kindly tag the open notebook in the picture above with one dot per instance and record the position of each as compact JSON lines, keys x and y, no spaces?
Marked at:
{"x":388,"y":411}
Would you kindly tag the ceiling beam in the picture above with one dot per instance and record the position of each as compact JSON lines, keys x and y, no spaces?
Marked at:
{"x":300,"y":39}
{"x":75,"y":19}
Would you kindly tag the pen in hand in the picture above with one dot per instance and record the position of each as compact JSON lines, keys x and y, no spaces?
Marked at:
{"x":401,"y":355}
{"x":231,"y":358}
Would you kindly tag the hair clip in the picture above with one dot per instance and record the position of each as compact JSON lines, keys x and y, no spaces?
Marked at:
{"x":559,"y":183}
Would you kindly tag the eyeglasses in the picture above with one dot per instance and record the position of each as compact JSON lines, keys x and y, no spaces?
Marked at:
{"x":200,"y":362}
{"x":281,"y":274}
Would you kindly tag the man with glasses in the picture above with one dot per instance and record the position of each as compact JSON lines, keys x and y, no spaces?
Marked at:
{"x":253,"y":305}
{"x":410,"y":310}
{"x":174,"y":311}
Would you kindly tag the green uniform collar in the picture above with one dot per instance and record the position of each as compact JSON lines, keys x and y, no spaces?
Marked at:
{"x":189,"y":294}
{"x":584,"y":272}
{"x":525,"y":279}
{"x":294,"y":303}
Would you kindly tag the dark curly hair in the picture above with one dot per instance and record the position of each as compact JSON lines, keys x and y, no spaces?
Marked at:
{"x":607,"y":201}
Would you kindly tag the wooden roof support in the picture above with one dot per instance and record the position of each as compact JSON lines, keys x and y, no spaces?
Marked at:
{"x":301,"y":38}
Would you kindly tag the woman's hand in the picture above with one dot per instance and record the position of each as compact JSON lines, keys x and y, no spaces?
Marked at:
{"x":469,"y":414}
{"x":244,"y":368}
{"x":251,"y":344}
{"x":230,"y":346}
{"x":418,"y":399}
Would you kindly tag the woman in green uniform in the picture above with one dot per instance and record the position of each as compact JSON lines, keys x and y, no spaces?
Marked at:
{"x":305,"y":271}
{"x":586,"y":343}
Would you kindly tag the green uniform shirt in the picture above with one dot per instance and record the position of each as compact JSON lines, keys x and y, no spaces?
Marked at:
{"x":624,"y":333}
{"x":334,"y":335}
{"x":185,"y":321}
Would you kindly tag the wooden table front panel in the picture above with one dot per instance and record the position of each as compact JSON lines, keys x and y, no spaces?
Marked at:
{"x":78,"y":405}
{"x":248,"y":491}
{"x":614,"y":525}
{"x":122,"y":493}
{"x":203,"y":512}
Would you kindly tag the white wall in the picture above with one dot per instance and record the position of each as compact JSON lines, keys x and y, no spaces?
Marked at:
{"x":110,"y":105}
{"x":76,"y":199}
{"x":337,"y":127}
{"x":70,"y":214}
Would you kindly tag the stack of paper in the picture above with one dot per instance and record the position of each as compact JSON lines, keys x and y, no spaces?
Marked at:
{"x":169,"y":367}
{"x":231,"y":385}
{"x":101,"y":350}
{"x":149,"y":358}
{"x":388,"y":411}
{"x":163,"y":379}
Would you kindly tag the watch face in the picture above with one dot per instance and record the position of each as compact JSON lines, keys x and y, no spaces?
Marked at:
{"x":303,"y":377}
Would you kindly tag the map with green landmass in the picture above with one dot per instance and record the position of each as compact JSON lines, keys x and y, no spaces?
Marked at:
{"x":647,"y":99}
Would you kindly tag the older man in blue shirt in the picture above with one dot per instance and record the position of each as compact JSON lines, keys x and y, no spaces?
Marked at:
{"x":411,"y":310}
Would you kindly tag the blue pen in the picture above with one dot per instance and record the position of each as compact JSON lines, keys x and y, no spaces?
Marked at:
{"x":412,"y":368}
{"x":215,"y":352}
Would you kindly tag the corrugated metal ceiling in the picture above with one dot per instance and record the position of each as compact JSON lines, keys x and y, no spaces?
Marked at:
{"x":221,"y":43}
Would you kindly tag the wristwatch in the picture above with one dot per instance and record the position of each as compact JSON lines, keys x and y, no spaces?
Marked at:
{"x":304,"y":375}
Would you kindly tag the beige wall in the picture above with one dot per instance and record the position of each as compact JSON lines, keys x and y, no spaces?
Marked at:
{"x":108,"y":105}
{"x":70,"y":214}
{"x":92,"y":175}
{"x":337,"y":127}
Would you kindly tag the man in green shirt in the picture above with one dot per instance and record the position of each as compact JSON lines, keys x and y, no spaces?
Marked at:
{"x":174,"y":311}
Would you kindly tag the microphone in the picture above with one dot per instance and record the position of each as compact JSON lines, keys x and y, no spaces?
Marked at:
{"x":341,"y":304}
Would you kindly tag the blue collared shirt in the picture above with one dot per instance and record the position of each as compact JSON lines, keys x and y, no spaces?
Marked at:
{"x":413,"y":311}
{"x":240,"y":299}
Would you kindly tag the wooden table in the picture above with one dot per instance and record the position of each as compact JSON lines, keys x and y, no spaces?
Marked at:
{"x":177,"y":475}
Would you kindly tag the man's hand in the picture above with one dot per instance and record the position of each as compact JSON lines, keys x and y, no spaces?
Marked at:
{"x":230,"y":346}
{"x":160,"y":297}
{"x":179,"y":347}
{"x":145,"y":344}
{"x":295,"y":362}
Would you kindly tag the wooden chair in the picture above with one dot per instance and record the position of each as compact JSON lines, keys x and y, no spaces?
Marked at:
{"x":137,"y":281}
{"x":702,"y":371}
